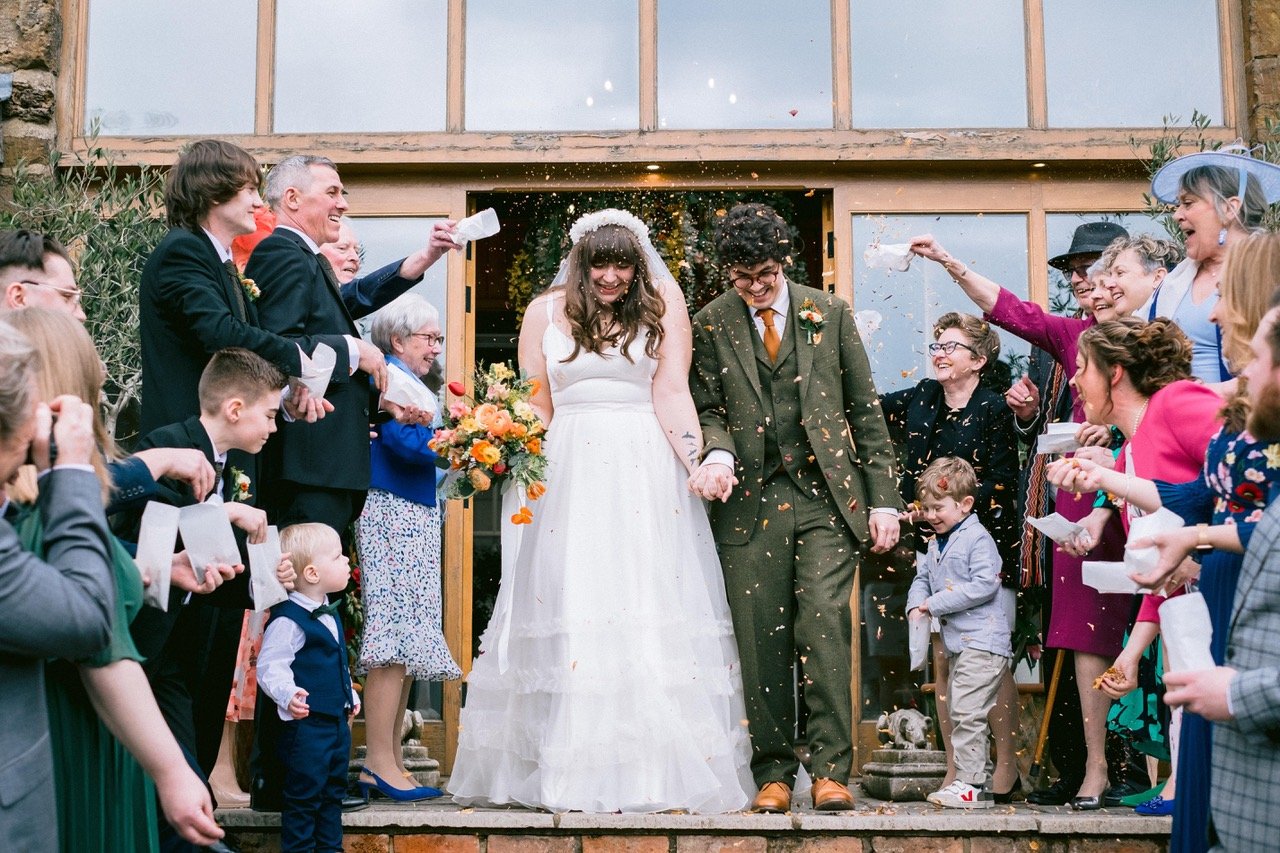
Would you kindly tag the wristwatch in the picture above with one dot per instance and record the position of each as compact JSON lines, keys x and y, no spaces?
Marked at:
{"x":1202,"y":538}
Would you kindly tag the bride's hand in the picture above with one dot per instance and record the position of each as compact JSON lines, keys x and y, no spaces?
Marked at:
{"x":713,"y":481}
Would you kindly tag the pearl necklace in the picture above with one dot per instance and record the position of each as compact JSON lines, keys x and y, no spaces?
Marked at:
{"x":1138,"y":418}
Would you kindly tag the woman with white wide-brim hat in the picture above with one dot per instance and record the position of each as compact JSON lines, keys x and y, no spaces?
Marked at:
{"x":1218,"y":197}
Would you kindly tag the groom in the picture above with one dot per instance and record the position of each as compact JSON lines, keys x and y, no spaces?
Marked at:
{"x":798,"y":466}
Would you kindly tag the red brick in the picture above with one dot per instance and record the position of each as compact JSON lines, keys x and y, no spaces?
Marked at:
{"x":436,"y":844}
{"x":1116,"y":845}
{"x":721,"y":844}
{"x":625,"y":844}
{"x":817,"y":844}
{"x":532,"y":844}
{"x":916,"y":844}
{"x":366,"y":843}
{"x":1008,"y":845}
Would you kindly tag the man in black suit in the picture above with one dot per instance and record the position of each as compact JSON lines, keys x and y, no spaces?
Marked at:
{"x":193,"y":301}
{"x":320,"y":472}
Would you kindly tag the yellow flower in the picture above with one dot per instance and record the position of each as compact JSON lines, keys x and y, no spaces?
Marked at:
{"x":485,"y":453}
{"x":502,"y":372}
{"x":1272,"y":452}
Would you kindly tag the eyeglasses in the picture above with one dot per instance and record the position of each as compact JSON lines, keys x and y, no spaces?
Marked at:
{"x":72,"y":296}
{"x":432,"y":340}
{"x":948,"y":347}
{"x":745,"y":280}
{"x":1081,"y":270}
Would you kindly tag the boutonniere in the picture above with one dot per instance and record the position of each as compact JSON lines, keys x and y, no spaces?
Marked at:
{"x":250,"y":286}
{"x":239,"y":485}
{"x":812,"y":321}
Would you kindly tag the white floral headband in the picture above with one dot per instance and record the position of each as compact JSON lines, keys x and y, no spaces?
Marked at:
{"x":609,"y":216}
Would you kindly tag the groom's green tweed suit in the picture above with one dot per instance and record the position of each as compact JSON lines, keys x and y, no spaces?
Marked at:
{"x":813,"y":455}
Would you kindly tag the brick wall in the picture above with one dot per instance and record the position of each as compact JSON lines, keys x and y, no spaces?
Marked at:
{"x":1262,"y":65}
{"x":30,"y":40}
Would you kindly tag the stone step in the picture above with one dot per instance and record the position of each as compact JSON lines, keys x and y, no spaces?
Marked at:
{"x":417,"y":760}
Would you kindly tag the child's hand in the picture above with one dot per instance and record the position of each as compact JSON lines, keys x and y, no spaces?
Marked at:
{"x":284,"y":571}
{"x":922,"y":609}
{"x":250,"y":519}
{"x":298,"y":705}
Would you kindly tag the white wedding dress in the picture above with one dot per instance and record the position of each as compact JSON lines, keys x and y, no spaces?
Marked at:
{"x":608,"y":678}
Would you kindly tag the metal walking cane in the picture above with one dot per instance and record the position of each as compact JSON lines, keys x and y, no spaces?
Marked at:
{"x":1044,"y":723}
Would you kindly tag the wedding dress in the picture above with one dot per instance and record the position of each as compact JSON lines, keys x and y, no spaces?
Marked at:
{"x":608,"y":678}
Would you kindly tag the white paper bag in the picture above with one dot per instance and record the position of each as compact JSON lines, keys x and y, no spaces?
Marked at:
{"x":1109,"y":577}
{"x":264,"y":557}
{"x":1187,"y":631}
{"x":868,"y":322}
{"x":895,"y":257}
{"x":1056,"y":527}
{"x":1058,"y":438}
{"x":918,"y":640}
{"x":403,"y":390}
{"x":1144,"y":560}
{"x":317,"y":369}
{"x":156,"y":541}
{"x":477,"y":227}
{"x":207,"y":536}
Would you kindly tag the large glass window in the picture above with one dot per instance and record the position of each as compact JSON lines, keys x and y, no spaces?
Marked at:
{"x":169,"y":67}
{"x":1112,"y":64}
{"x":938,"y":63}
{"x":390,"y":75}
{"x":903,"y":306}
{"x":383,"y":239}
{"x":744,"y":64}
{"x":555,"y":65}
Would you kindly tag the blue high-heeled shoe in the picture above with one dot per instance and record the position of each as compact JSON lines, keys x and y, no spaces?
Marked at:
{"x":422,"y":792}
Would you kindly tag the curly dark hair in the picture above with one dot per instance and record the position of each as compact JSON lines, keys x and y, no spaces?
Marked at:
{"x":750,"y":234}
{"x":1153,"y":354}
{"x":638,"y":312}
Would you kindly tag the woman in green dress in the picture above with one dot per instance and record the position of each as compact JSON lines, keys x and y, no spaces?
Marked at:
{"x":109,"y":740}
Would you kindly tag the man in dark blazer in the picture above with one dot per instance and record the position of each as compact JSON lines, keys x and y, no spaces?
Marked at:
{"x":193,"y":301}
{"x":796,"y":455}
{"x":1243,"y":697}
{"x":320,"y":472}
{"x":58,"y":607}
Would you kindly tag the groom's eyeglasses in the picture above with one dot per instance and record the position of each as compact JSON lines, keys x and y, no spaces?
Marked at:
{"x":745,"y":280}
{"x":948,"y":347}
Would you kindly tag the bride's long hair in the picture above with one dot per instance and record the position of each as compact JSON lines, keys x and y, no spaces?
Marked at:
{"x":637,"y":312}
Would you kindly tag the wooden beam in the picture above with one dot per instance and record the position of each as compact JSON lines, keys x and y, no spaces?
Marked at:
{"x":69,"y":109}
{"x":841,"y":66}
{"x":456,"y":68}
{"x":1037,"y":85}
{"x":648,"y":69}
{"x":265,"y":82}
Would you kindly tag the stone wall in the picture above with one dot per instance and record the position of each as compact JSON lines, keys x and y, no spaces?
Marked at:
{"x":1262,"y":63}
{"x":30,"y":42}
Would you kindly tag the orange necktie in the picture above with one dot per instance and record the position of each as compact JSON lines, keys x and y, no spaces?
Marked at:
{"x":772,"y":343}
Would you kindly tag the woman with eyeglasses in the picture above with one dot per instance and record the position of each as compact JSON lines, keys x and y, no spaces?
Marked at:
{"x":953,"y":415}
{"x":398,"y":547}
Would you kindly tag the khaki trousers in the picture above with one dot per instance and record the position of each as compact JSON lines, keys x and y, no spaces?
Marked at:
{"x":975,"y":680}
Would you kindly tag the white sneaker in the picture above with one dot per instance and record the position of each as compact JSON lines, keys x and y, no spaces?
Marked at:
{"x":962,"y":795}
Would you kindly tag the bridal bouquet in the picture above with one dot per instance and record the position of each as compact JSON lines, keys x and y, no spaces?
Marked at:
{"x":493,"y":437}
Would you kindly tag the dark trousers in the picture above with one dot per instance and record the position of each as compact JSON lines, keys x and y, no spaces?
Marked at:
{"x":788,"y":591}
{"x":314,"y":752}
{"x":294,"y":503}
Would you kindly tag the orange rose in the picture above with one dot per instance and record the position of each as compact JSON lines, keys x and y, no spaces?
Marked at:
{"x":484,"y":414}
{"x":501,"y":424}
{"x":533,"y":445}
{"x":479,"y":479}
{"x":485,"y":453}
{"x":535,"y":490}
{"x":518,"y":430}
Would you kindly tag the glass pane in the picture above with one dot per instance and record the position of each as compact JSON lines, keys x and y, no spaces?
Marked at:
{"x":740,"y":63}
{"x":396,"y":82}
{"x":554,"y":65}
{"x":943,"y":64}
{"x":1058,"y":229}
{"x":909,"y":302}
{"x":1114,"y":64}
{"x":170,"y":67}
{"x":383,"y":239}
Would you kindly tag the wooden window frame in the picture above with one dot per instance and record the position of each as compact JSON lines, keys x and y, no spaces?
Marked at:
{"x":841,"y":143}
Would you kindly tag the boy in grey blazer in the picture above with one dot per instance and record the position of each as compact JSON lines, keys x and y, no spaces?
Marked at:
{"x":958,"y":581}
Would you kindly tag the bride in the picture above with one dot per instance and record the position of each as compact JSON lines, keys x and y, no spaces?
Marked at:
{"x":608,"y":677}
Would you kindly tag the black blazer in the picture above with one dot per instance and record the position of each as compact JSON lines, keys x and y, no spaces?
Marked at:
{"x":152,"y":627}
{"x":983,"y":436}
{"x":298,"y":300}
{"x":190,"y":306}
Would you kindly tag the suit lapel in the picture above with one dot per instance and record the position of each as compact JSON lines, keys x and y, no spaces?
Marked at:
{"x":804,"y":349}
{"x":230,"y":282}
{"x":742,"y":335}
{"x":322,"y":269}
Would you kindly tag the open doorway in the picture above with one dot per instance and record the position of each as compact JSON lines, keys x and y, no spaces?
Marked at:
{"x":518,"y":263}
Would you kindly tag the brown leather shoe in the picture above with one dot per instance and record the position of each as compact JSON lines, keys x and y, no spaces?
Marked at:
{"x":774,"y":797}
{"x":830,"y":796}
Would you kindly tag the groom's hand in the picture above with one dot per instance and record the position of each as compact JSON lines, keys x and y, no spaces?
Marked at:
{"x":884,"y":531}
{"x":713,"y":481}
